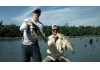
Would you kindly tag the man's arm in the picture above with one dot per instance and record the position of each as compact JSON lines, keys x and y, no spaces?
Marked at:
{"x":51,"y":41}
{"x":23,"y":26}
{"x":41,"y":28}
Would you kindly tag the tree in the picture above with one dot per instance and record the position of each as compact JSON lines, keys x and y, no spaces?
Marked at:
{"x":1,"y":22}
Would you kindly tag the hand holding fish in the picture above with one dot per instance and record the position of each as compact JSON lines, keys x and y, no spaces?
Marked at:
{"x":29,"y":24}
{"x":55,"y":37}
{"x":36,"y":31}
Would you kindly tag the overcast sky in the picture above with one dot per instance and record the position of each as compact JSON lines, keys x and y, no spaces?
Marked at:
{"x":60,"y":15}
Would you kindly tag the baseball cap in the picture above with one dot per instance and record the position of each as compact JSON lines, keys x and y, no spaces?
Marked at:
{"x":54,"y":26}
{"x":37,"y":10}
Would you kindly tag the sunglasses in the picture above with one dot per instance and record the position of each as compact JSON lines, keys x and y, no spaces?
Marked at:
{"x":54,"y":29}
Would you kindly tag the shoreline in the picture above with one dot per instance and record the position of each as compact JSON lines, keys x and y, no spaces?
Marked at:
{"x":84,"y":36}
{"x":10,"y":38}
{"x":68,"y":36}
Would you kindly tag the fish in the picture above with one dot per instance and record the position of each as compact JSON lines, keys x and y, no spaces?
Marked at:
{"x":62,"y":43}
{"x":37,"y":32}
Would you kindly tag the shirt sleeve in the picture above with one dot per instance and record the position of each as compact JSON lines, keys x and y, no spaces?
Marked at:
{"x":41,"y":29}
{"x":23,"y":26}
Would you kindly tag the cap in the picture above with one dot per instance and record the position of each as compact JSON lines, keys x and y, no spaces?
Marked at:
{"x":37,"y":10}
{"x":54,"y":26}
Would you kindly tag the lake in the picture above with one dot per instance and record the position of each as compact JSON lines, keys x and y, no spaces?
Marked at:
{"x":11,"y":50}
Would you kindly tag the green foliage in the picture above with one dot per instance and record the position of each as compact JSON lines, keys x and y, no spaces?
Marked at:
{"x":13,"y":30}
{"x":1,"y":22}
{"x":75,"y":31}
{"x":10,"y":31}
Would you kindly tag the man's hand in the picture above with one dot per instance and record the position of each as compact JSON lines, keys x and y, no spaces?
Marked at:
{"x":55,"y":37}
{"x":29,"y":25}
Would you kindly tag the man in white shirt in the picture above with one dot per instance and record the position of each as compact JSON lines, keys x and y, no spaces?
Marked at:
{"x":30,"y":41}
{"x":57,"y":43}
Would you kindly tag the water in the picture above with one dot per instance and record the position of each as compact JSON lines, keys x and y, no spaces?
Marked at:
{"x":11,"y":51}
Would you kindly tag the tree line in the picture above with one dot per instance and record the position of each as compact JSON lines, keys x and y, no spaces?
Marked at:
{"x":76,"y":31}
{"x":12,"y":30}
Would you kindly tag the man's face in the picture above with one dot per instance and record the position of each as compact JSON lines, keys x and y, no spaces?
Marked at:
{"x":36,"y":16}
{"x":54,"y":31}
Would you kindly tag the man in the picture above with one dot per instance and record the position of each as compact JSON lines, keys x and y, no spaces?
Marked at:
{"x":30,"y":41}
{"x":57,"y":43}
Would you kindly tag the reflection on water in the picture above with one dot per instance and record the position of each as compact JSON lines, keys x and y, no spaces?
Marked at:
{"x":86,"y":51}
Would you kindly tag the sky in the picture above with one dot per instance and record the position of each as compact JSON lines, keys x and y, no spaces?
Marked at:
{"x":59,"y":15}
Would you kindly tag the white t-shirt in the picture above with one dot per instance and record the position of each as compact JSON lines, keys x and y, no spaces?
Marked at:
{"x":58,"y":47}
{"x":53,"y":49}
{"x":26,"y":37}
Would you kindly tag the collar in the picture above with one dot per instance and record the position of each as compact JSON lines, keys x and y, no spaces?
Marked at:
{"x":37,"y":23}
